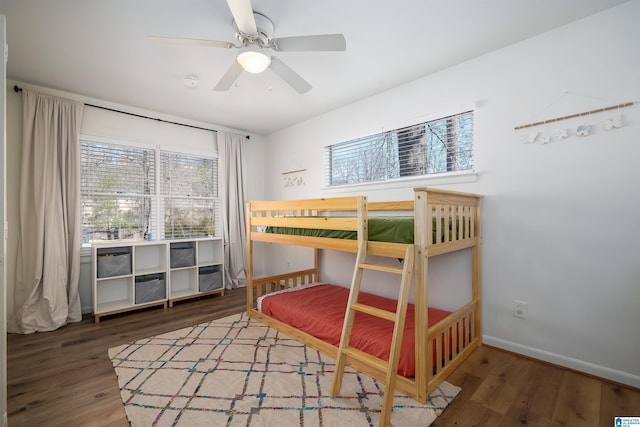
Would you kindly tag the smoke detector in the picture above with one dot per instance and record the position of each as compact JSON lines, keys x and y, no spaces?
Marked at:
{"x":190,"y":81}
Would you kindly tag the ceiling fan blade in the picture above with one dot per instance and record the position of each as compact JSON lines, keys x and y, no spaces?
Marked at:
{"x":229,"y":77}
{"x":243,"y":16}
{"x":292,"y":78}
{"x":192,"y":42}
{"x":325,"y":42}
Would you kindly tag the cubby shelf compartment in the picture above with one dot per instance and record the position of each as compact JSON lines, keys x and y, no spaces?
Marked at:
{"x":150,"y":258}
{"x":113,"y":294}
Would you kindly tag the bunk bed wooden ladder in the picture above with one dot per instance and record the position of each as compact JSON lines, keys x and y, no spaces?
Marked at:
{"x":388,"y":368}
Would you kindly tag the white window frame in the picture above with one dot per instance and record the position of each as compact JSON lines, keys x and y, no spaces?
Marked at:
{"x":158,"y":222}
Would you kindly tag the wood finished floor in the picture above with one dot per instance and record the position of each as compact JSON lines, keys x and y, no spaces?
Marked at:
{"x":65,"y":378}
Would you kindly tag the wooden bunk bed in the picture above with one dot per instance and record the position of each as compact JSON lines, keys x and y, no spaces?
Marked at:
{"x":443,"y":221}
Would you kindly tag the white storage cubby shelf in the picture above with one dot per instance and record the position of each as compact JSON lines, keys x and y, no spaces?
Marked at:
{"x":196,"y":268}
{"x":134,"y":275}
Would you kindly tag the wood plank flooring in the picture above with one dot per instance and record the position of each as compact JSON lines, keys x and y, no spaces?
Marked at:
{"x":65,"y":378}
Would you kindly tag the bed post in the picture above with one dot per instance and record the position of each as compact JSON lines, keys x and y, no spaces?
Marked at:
{"x":363,"y":225}
{"x":476,"y":281}
{"x":422,"y":229}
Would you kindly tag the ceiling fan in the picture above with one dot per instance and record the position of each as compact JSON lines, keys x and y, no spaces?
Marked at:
{"x":254,"y":34}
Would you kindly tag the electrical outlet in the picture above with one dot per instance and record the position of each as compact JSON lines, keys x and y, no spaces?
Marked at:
{"x":520,"y":309}
{"x":288,"y":264}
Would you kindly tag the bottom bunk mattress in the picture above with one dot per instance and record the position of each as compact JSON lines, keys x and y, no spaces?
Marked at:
{"x":319,"y":310}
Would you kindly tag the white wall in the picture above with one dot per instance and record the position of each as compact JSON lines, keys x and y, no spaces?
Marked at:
{"x":560,"y":220}
{"x":255,"y":167}
{"x":116,"y":126}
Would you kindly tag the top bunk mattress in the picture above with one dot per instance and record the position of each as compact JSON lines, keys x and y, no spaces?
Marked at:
{"x":394,"y":229}
{"x":319,"y":311}
{"x":397,"y":229}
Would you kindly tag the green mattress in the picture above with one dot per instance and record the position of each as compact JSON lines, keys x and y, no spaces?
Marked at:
{"x":397,"y":229}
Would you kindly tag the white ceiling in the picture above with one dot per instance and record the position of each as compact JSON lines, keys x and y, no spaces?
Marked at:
{"x":99,"y":49}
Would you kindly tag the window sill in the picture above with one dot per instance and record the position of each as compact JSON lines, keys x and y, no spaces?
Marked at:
{"x":422,"y":181}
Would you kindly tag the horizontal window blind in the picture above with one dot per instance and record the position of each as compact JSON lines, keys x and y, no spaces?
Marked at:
{"x":117,"y":185}
{"x":434,"y":147}
{"x":190,"y":217}
{"x":129,"y":192}
{"x":360,"y":160}
{"x":189,"y":196}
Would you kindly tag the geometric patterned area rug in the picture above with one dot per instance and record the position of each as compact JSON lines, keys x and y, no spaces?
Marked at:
{"x":239,"y":372}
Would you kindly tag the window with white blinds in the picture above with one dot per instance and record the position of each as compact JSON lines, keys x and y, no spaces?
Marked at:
{"x":434,"y":147}
{"x":117,"y":185}
{"x":123,"y":200}
{"x":189,"y":195}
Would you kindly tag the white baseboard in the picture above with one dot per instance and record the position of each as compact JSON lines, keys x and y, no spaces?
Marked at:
{"x":568,"y":362}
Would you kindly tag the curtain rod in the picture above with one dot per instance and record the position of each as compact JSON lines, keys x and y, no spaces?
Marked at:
{"x":17,"y":88}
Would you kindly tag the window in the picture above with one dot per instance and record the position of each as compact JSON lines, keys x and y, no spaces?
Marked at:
{"x":435,"y":147}
{"x":123,"y":200}
{"x":189,"y":194}
{"x":117,"y":185}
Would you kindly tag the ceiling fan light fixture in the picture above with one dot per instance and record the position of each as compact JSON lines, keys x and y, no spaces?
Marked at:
{"x":252,"y":60}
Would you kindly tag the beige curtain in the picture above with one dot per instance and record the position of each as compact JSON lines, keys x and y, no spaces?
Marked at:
{"x":48,"y":259}
{"x":234,"y":190}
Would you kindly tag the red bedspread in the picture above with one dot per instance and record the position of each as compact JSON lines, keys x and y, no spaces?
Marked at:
{"x":319,"y":311}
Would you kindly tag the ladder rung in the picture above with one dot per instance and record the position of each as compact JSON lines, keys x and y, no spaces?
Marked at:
{"x":379,"y":267}
{"x":374,"y":311}
{"x":370,"y":360}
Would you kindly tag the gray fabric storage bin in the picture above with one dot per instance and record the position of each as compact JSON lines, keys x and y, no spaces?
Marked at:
{"x":210,"y":278}
{"x":182,"y":255}
{"x":113,"y":262}
{"x":150,"y":290}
